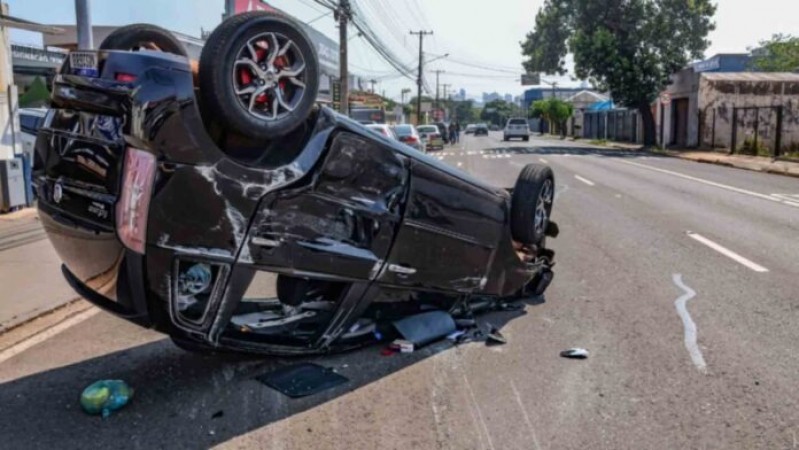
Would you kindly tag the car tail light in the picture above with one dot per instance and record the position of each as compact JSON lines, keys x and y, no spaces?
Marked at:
{"x":125,"y":77}
{"x":134,"y":202}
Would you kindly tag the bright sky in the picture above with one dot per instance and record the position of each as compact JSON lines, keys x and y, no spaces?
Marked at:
{"x":483,"y":34}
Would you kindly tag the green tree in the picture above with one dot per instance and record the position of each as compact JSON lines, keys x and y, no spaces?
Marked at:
{"x":497,"y":112}
{"x":778,"y":54}
{"x":629,"y":48}
{"x":553,"y":110}
{"x":464,"y":112}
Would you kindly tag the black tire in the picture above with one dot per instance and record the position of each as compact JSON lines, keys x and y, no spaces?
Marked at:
{"x":536,"y":183}
{"x":139,"y":35}
{"x":219,"y":77}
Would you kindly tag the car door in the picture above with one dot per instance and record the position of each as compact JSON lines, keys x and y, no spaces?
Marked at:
{"x":342,"y":223}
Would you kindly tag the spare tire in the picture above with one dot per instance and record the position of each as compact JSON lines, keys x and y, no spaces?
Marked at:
{"x":259,"y":75}
{"x":145,"y":36}
{"x":531,"y":204}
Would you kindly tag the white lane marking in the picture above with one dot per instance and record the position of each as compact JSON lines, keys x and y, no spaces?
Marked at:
{"x":479,"y":413}
{"x":524,"y":413}
{"x":727,"y":252}
{"x":38,"y":338}
{"x":543,"y":160}
{"x":585,"y":180}
{"x":460,"y":164}
{"x":709,"y":183}
{"x":688,"y":324}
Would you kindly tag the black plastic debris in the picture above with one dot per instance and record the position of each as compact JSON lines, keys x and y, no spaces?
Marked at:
{"x":494,"y":337}
{"x":218,"y":414}
{"x":575,"y":353}
{"x":302,"y":379}
{"x":422,"y":329}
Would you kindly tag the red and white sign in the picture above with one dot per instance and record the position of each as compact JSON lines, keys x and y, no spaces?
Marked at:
{"x":241,"y":6}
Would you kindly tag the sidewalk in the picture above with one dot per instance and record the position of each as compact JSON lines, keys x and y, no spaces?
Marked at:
{"x":31,"y":283}
{"x":754,"y":163}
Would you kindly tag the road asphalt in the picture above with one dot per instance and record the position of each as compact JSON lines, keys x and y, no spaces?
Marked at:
{"x":679,"y":278}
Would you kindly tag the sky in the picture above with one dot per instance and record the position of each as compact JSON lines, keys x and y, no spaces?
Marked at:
{"x":478,"y":33}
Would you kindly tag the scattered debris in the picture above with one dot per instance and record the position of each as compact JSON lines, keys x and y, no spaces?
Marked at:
{"x":455,"y":336}
{"x":387,"y":351}
{"x":105,"y":396}
{"x":302,"y":379}
{"x":422,"y":329}
{"x":506,"y":306}
{"x":575,"y":353}
{"x":494,"y":337}
{"x":402,"y":346}
{"x":218,"y":414}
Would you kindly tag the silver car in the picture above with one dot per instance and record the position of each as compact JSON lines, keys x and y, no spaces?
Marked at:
{"x":408,"y":135}
{"x":516,"y":128}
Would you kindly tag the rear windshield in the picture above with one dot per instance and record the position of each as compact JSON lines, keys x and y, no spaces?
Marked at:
{"x":403,"y":130}
{"x":517,"y":122}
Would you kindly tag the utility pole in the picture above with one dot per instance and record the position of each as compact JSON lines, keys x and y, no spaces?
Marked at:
{"x":373,"y":85}
{"x":446,"y":87}
{"x":402,"y":100}
{"x":421,"y":34}
{"x":83,"y":18}
{"x":438,"y":72}
{"x":344,"y":13}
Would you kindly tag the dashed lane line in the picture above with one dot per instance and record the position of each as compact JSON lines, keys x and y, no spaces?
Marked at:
{"x":712,"y":183}
{"x":585,"y":180}
{"x":727,"y":252}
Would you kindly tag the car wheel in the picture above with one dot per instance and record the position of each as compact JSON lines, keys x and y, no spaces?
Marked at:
{"x":259,"y":75}
{"x":531,"y":204}
{"x":143,"y":36}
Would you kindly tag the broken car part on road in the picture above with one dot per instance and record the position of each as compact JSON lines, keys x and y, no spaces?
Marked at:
{"x":175,"y":197}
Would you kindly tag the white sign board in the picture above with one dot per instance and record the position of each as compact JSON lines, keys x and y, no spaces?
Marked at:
{"x":426,"y":107}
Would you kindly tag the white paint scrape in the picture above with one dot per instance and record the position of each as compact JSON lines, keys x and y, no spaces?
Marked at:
{"x":688,"y":323}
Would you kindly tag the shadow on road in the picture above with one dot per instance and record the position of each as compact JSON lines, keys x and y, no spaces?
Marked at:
{"x":569,"y":150}
{"x":181,"y":399}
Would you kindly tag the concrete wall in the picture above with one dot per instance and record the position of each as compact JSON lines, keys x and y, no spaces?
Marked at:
{"x":684,"y":85}
{"x":719,"y":96}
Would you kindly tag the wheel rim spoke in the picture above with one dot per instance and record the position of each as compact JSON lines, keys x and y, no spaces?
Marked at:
{"x":296,"y":82}
{"x":280,"y":100}
{"x":274,"y":49}
{"x":294,"y":72}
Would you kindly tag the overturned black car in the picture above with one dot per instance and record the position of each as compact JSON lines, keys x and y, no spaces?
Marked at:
{"x":173,"y":192}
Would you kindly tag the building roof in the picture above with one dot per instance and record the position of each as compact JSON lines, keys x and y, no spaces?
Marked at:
{"x":585,"y":92}
{"x":751,"y":76}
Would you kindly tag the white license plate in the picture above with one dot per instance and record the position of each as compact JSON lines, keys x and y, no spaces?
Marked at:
{"x":84,"y":64}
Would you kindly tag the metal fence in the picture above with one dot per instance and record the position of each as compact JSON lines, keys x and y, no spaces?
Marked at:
{"x":771,"y":131}
{"x":615,"y":125}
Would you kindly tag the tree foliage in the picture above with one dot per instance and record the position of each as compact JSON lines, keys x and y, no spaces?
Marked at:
{"x":628,"y":47}
{"x":464,"y":112}
{"x":778,"y":54}
{"x":498,"y":112}
{"x":553,"y":110}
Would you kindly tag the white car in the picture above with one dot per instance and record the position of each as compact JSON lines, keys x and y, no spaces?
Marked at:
{"x":30,"y":120}
{"x":516,"y":128}
{"x":381,"y":128}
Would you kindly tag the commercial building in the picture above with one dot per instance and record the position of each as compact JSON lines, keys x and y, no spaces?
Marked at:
{"x":718,"y":103}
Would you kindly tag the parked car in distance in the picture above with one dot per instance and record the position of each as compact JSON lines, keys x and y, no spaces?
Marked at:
{"x":408,"y":135}
{"x":516,"y":128}
{"x":30,"y":120}
{"x":470,"y":128}
{"x":481,"y":130}
{"x":493,"y":127}
{"x":383,"y":129}
{"x":432,"y":136}
{"x":443,"y":128}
